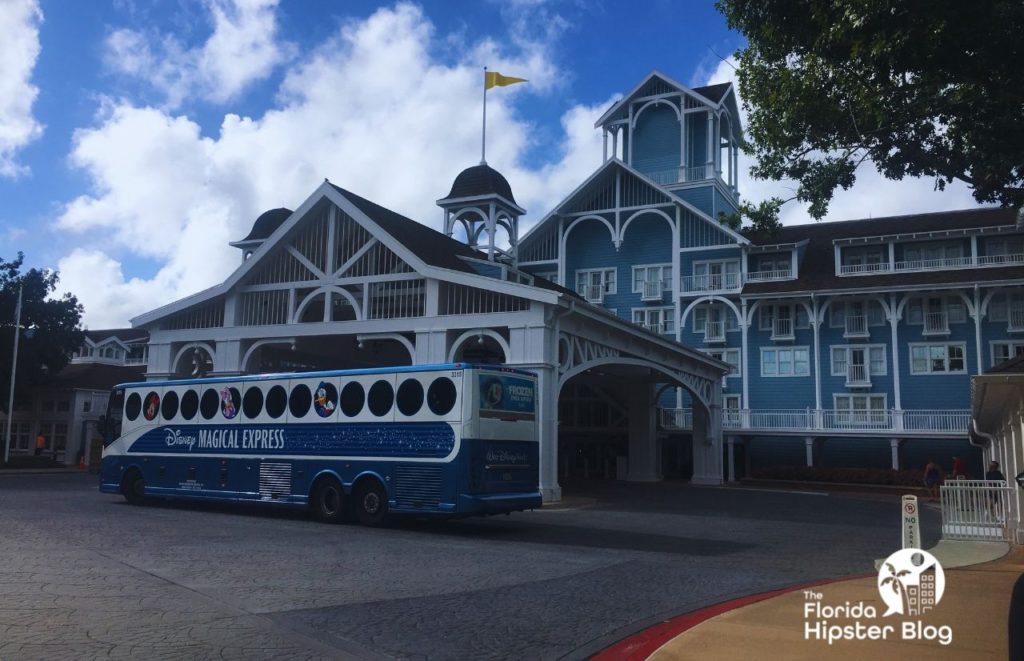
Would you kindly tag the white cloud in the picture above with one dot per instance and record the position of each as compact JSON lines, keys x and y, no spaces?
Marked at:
{"x":871,"y":196}
{"x":19,"y":49}
{"x":241,"y":50}
{"x":370,"y":108}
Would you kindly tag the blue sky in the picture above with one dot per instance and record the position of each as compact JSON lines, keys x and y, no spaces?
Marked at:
{"x":137,"y":138}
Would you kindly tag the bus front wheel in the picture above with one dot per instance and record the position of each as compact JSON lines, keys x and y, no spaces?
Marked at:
{"x":328,"y":500}
{"x":371,"y":503}
{"x":133,"y":486}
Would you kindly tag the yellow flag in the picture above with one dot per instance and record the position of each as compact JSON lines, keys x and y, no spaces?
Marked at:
{"x":495,"y":79}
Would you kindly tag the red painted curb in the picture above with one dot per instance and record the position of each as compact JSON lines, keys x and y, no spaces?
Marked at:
{"x":641,"y":645}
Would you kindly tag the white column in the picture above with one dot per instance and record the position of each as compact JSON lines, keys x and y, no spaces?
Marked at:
{"x":744,"y":327}
{"x":644,"y":460}
{"x":615,"y":142}
{"x":711,"y":139}
{"x":809,"y":449}
{"x":894,"y":320}
{"x":707,"y":439}
{"x":977,"y":328}
{"x":816,"y":327}
{"x":547,"y":415}
{"x":892,"y":257}
{"x":431,"y":347}
{"x":604,"y":138}
{"x":731,"y":440}
{"x":629,"y":138}
{"x":682,"y":142}
{"x":894,"y":445}
{"x":974,"y":249}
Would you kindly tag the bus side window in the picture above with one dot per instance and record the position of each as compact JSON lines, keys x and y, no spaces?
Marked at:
{"x":115,"y":409}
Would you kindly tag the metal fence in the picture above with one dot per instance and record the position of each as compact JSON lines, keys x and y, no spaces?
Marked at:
{"x":975,"y":510}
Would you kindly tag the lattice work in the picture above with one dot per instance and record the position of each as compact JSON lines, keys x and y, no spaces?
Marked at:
{"x":349,"y":237}
{"x":542,"y":246}
{"x":263,"y":308}
{"x":378,"y":260}
{"x":460,"y":299}
{"x":281,"y":267}
{"x":205,"y":315}
{"x":636,"y":193}
{"x":690,"y":102}
{"x":397,"y":299}
{"x":312,"y":240}
{"x":696,"y":232}
{"x":656,"y":86}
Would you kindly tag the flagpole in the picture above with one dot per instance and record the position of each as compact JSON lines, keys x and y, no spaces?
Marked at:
{"x":14,"y":367}
{"x":483,"y":137}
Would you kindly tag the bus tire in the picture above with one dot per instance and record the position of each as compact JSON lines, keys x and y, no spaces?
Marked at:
{"x":371,"y":503}
{"x":133,"y":487}
{"x":328,"y":500}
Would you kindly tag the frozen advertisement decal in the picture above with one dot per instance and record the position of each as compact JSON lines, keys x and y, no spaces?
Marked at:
{"x":506,"y":397}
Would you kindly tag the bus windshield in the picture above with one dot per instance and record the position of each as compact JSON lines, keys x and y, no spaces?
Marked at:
{"x":115,"y":409}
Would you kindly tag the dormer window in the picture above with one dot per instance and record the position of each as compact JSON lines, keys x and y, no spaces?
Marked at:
{"x":864,"y":259}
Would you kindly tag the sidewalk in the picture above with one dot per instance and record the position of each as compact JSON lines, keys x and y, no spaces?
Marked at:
{"x":771,"y":626}
{"x":42,"y":471}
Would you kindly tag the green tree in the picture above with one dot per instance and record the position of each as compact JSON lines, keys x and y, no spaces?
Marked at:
{"x":54,"y":323}
{"x":920,"y":88}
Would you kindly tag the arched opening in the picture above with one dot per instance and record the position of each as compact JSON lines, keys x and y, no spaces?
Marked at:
{"x":480,"y":348}
{"x":627,"y":422}
{"x":325,"y":352}
{"x":194,"y":361}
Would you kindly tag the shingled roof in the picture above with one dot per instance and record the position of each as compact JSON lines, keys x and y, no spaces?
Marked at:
{"x":817,"y":268}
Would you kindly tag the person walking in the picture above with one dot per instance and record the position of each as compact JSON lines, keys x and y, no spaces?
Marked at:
{"x":993,"y":474}
{"x":958,"y":472}
{"x":932,"y":479}
{"x":40,"y":444}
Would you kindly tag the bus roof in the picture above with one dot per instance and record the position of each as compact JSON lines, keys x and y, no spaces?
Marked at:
{"x":328,"y":373}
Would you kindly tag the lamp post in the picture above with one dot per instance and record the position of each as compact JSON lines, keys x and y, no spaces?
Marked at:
{"x":14,"y":369}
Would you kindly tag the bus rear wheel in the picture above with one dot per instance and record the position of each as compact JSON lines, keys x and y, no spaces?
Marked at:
{"x":328,"y":500}
{"x":371,"y":503}
{"x":133,"y":486}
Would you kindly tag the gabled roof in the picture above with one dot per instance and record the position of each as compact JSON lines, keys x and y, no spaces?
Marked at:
{"x":427,"y":251}
{"x":613,"y":163}
{"x":712,"y":94}
{"x":124,"y":335}
{"x":817,"y":269}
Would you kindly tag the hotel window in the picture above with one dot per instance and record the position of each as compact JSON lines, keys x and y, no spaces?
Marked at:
{"x":778,"y":263}
{"x":864,"y":409}
{"x":729,"y":356}
{"x":937,"y":359}
{"x":657,"y":319}
{"x":865,"y":259}
{"x":788,"y":361}
{"x":600,"y":280}
{"x":1004,"y":246}
{"x":717,"y":313}
{"x":873,"y":355}
{"x":661,"y":273}
{"x":956,"y":311}
{"x":1004,"y":351}
{"x":716,"y":275}
{"x":769,"y":313}
{"x":838,"y":312}
{"x":935,"y":252}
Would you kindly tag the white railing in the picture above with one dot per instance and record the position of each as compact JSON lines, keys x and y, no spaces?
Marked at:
{"x":714,"y":331}
{"x":1015,"y":317}
{"x":711,"y":282}
{"x":782,"y":329}
{"x":680,"y":175}
{"x":658,"y":328}
{"x":975,"y":509}
{"x":857,"y":375}
{"x":653,"y":290}
{"x":826,"y":420}
{"x":768,"y":276}
{"x":863,"y":269}
{"x":1000,"y":260}
{"x":936,"y":323}
{"x":856,"y":326}
{"x":677,"y":418}
{"x":593,"y":293}
{"x":942,"y":264}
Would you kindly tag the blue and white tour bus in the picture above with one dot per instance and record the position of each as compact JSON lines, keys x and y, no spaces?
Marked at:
{"x":455,"y":439}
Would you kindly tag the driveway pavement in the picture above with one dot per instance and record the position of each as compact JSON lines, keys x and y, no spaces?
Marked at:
{"x":87,"y":576}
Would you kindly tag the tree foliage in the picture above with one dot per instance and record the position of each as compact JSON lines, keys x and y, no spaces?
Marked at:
{"x":54,"y":323}
{"x":918,"y":88}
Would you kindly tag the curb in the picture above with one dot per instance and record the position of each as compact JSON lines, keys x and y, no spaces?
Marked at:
{"x":643,"y":644}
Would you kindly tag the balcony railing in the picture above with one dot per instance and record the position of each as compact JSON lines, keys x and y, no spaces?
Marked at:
{"x":593,"y":293}
{"x":1015,"y":317}
{"x":782,"y":329}
{"x":936,"y":323}
{"x":769,"y":276}
{"x":856,"y":325}
{"x":943,"y":264}
{"x":681,"y":175}
{"x":711,"y":282}
{"x":653,"y":290}
{"x":658,"y":328}
{"x":857,"y":376}
{"x":714,"y":331}
{"x":953,"y":422}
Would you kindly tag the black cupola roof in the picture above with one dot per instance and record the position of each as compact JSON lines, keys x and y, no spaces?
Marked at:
{"x":481,"y":180}
{"x":267,"y":223}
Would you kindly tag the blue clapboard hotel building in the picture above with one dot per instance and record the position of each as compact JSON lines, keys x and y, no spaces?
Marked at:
{"x":851,"y":343}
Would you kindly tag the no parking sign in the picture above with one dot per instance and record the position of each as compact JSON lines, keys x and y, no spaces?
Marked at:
{"x":911,"y":523}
